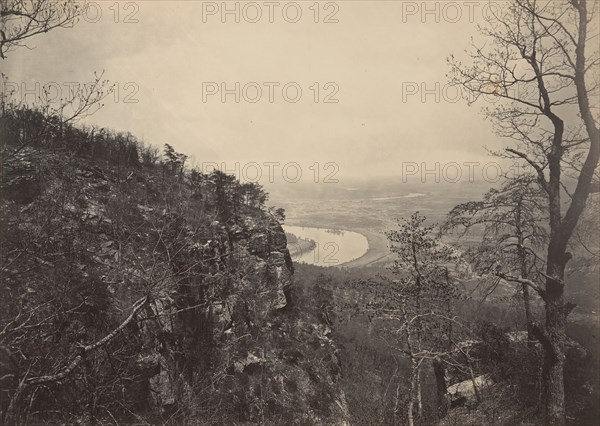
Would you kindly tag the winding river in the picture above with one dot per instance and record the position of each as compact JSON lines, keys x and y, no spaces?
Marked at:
{"x":333,"y":247}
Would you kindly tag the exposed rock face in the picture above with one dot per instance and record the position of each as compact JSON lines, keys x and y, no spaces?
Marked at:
{"x":219,"y":339}
{"x":277,"y":364}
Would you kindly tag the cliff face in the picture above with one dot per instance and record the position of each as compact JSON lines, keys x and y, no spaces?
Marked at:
{"x":140,"y":292}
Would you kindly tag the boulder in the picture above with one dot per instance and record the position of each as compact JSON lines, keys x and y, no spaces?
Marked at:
{"x":465,"y":393}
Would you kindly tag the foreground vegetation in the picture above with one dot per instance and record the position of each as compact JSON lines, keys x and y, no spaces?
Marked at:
{"x":136,"y":290}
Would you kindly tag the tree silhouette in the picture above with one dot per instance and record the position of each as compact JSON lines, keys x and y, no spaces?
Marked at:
{"x":23,"y":19}
{"x":540,"y":58}
{"x":511,"y":222}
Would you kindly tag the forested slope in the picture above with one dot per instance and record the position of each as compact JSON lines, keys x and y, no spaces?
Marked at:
{"x":137,"y":290}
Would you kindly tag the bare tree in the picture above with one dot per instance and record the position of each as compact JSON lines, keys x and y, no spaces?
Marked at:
{"x":47,"y":119}
{"x":22,"y":19}
{"x":510,"y":220}
{"x":416,"y":309}
{"x":541,"y":58}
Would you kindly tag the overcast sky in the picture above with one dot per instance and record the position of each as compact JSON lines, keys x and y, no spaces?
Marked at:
{"x":375,"y":51}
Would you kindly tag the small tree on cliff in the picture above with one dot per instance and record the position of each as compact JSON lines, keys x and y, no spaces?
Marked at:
{"x":174,"y":161}
{"x":540,"y":58}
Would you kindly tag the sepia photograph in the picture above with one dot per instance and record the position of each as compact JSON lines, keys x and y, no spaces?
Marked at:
{"x":309,"y":212}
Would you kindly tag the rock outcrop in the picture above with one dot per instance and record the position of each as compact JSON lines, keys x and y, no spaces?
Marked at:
{"x":217,"y":338}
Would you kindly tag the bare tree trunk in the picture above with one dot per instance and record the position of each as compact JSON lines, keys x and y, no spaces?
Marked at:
{"x":11,"y":415}
{"x":412,"y":393}
{"x":554,"y":335}
{"x":527,"y":307}
{"x":524,"y":271}
{"x":396,"y":403}
{"x":553,"y":374}
{"x":475,"y":387}
{"x":441,"y":387}
{"x":419,"y":394}
{"x":553,"y":340}
{"x":409,"y":409}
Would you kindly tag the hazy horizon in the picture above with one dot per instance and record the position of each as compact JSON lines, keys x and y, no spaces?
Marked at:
{"x":383,"y":62}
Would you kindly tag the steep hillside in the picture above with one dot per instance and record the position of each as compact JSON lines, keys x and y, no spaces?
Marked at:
{"x":137,"y":291}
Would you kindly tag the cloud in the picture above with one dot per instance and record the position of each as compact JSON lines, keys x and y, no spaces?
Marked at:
{"x":367,"y":57}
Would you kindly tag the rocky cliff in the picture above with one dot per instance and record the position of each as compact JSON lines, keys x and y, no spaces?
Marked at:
{"x":136,"y":290}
